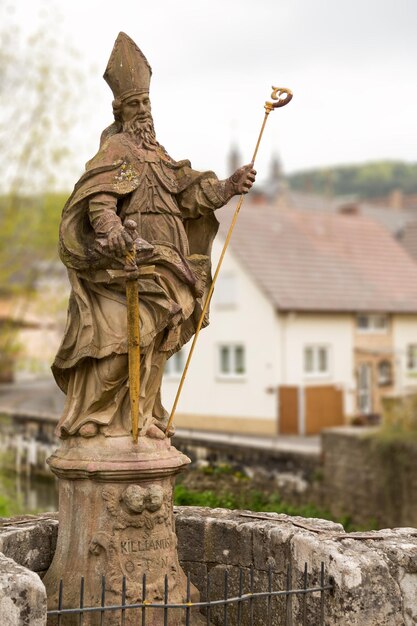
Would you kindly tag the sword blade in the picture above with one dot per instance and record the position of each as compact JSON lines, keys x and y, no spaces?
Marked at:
{"x":133,"y":344}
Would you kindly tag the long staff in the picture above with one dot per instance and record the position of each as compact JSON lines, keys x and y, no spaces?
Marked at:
{"x":282,"y":97}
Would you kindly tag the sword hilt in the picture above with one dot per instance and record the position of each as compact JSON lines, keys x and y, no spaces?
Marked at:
{"x":130,"y":265}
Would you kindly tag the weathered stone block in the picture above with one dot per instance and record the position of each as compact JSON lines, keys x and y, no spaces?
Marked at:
{"x":365,"y":591}
{"x":190,"y":528}
{"x":22,"y":595}
{"x":198,"y":576}
{"x":273,"y":533}
{"x":30,"y":541}
{"x":229,"y":540}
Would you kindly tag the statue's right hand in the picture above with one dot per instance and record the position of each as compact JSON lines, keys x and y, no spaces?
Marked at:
{"x":119,"y":240}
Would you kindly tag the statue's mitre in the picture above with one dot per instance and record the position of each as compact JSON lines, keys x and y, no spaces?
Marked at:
{"x":128,"y":71}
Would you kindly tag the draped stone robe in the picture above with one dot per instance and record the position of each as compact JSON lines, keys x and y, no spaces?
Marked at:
{"x":173,"y":206}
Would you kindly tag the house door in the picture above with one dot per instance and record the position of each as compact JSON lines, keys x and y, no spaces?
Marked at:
{"x":323,"y":408}
{"x":288,"y":410}
{"x":365,"y":388}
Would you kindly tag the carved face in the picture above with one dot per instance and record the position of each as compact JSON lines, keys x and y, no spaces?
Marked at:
{"x":134,"y":498}
{"x":154,"y":498}
{"x":136,"y":107}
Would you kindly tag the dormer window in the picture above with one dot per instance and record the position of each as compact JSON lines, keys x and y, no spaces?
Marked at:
{"x":372,"y":323}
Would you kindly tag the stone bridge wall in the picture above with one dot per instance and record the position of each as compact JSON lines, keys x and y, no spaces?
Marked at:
{"x":375,"y":574}
{"x":372,"y":480}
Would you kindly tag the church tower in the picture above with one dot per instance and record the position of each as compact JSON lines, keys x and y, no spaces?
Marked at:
{"x":234,"y":159}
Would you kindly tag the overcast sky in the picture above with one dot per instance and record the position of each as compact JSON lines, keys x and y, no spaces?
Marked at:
{"x":351,"y":65}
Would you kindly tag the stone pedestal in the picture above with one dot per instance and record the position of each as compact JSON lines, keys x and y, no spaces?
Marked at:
{"x":116,"y":520}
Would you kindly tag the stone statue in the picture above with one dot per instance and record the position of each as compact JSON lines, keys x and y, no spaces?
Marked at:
{"x":132,"y":190}
{"x":136,"y":217}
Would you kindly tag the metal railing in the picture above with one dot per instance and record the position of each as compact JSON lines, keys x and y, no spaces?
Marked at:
{"x":240,"y":603}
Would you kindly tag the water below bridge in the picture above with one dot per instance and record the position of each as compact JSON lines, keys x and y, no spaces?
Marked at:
{"x":22,"y":493}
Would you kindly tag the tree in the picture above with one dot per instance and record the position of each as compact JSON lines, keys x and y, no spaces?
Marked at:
{"x":37,"y":91}
{"x":368,"y":180}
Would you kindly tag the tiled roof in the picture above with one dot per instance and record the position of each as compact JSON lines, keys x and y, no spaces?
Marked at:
{"x":409,"y":239}
{"x":322,"y":261}
{"x":394,"y":220}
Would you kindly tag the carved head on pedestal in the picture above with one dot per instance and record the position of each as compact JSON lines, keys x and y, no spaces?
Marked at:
{"x":137,"y":498}
{"x":134,"y":498}
{"x":154,"y":498}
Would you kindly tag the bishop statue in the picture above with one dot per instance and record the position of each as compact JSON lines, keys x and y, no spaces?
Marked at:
{"x":133,"y":196}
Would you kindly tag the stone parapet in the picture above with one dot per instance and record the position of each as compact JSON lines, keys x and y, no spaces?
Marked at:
{"x":375,"y":573}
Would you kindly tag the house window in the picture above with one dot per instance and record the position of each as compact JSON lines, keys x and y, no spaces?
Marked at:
{"x":412,"y":357}
{"x":316,"y":360}
{"x":372,"y":323}
{"x":384,"y":373}
{"x":232,"y":360}
{"x":226,"y":291}
{"x":175,"y":365}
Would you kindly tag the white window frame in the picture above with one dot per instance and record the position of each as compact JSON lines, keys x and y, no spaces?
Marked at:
{"x":385,"y":379}
{"x":232,"y":375}
{"x":372,"y":327}
{"x":172,"y":369}
{"x":223,"y":303}
{"x":413,"y":368}
{"x":316,"y":373}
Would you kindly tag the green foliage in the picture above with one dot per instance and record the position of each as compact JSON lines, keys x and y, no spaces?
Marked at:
{"x":399,"y":419}
{"x":39,"y":89}
{"x":29,"y":229}
{"x":367,"y":181}
{"x":10,"y":505}
{"x":28,"y":237}
{"x":9,"y":508}
{"x":5,"y":507}
{"x":257,"y":501}
{"x":223,"y":469}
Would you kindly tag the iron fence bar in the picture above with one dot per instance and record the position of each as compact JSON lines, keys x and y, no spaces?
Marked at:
{"x":269,"y":597}
{"x":208,"y":599}
{"x":103,"y":598}
{"x":288,"y":599}
{"x":123,"y":601}
{"x":187,"y":608}
{"x":166,"y":601}
{"x":149,"y":605}
{"x":60,"y":600}
{"x":305,"y":580}
{"x":251,"y":595}
{"x":144,"y":600}
{"x":81,"y":621}
{"x":322,"y":595}
{"x":239,"y":602}
{"x":226,"y":593}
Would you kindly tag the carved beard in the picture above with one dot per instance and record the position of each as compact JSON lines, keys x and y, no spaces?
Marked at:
{"x":142,"y":131}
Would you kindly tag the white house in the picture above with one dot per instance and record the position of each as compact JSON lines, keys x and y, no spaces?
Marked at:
{"x":313,"y":320}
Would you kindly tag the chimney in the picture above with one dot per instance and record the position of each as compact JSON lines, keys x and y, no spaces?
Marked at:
{"x":396,"y":199}
{"x":350,"y":208}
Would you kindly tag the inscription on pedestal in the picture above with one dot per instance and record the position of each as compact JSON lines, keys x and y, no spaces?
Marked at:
{"x":131,"y":545}
{"x":140,"y":539}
